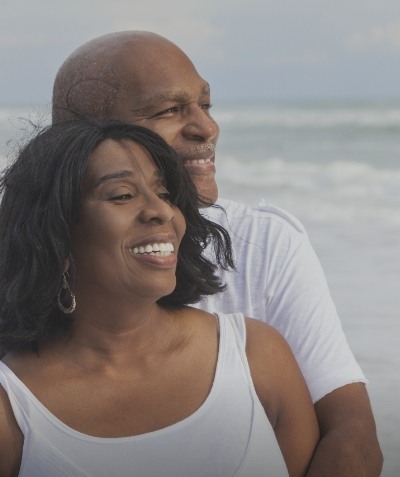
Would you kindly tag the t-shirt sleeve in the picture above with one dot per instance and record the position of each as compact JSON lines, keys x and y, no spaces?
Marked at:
{"x":300,"y":306}
{"x":279,"y":280}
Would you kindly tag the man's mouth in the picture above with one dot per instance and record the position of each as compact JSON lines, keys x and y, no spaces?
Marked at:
{"x":194,"y":162}
{"x":200,"y":154}
{"x":199,"y":160}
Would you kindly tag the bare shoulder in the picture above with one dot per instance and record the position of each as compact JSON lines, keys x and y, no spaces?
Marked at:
{"x":283,"y":393}
{"x":273,"y":367}
{"x":11,"y":438}
{"x":267,"y":352}
{"x":197,"y":313}
{"x":255,"y":328}
{"x":263,"y":342}
{"x":196,"y":320}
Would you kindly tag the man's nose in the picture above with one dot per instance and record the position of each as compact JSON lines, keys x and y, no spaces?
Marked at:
{"x":199,"y":125}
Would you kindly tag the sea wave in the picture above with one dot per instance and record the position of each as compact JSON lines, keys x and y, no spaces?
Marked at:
{"x":316,"y":117}
{"x":319,"y":191}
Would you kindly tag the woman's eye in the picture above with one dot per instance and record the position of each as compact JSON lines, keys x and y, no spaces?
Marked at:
{"x":166,"y":196}
{"x":126,"y":196}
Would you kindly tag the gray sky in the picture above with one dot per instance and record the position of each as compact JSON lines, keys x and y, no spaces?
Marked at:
{"x":244,"y":48}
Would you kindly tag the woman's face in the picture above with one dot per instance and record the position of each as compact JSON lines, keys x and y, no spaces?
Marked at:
{"x":126,"y":242}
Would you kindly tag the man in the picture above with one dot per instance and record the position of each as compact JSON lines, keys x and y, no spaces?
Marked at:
{"x":142,"y":78}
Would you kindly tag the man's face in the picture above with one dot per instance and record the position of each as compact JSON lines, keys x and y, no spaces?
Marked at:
{"x":163,"y":92}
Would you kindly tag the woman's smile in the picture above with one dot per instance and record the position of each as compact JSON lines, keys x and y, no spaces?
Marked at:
{"x":158,"y":251}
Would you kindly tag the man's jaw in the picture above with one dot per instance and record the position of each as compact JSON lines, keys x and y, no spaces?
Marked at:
{"x":199,"y":161}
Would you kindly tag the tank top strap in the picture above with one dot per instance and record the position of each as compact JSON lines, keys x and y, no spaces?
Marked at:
{"x":263,"y":456}
{"x":239,"y":324}
{"x":10,"y":383}
{"x":235,"y":322}
{"x":233,"y":330}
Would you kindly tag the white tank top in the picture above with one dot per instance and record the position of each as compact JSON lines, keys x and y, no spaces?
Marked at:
{"x":229,"y":435}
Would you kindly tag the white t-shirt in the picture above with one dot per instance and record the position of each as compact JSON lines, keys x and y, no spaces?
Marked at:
{"x":279,"y":280}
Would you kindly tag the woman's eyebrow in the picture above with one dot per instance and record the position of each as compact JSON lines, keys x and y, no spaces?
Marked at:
{"x":96,"y":182}
{"x":111,"y":176}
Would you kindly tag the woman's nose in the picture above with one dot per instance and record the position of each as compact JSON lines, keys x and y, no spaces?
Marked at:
{"x":156,"y":209}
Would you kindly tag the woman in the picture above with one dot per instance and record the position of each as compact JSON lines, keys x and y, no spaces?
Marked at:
{"x":105,"y":369}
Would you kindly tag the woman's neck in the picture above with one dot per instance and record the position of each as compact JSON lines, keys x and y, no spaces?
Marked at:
{"x":111,"y":338}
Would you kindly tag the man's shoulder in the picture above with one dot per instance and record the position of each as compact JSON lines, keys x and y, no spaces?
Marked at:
{"x":234,"y":215}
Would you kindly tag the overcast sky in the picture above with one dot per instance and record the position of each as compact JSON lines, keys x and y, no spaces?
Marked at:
{"x":244,"y":48}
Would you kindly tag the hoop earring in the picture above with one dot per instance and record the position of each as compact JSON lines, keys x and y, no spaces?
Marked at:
{"x":72,"y":306}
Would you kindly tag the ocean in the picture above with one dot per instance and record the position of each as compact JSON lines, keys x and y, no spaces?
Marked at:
{"x":336,"y":166}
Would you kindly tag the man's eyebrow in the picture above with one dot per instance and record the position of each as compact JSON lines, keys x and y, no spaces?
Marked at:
{"x":157,"y":99}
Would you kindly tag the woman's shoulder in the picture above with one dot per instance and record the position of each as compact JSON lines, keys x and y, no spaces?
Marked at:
{"x":21,"y":363}
{"x":196,"y":327}
{"x":263,"y":339}
{"x":272,"y":364}
{"x":196,"y":316}
{"x":203,"y":320}
{"x":11,"y":438}
{"x":267,"y":351}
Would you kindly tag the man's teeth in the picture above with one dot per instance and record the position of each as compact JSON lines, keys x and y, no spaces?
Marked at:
{"x":159,"y":249}
{"x":193,"y":162}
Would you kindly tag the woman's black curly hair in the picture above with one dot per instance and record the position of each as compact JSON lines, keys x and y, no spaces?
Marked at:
{"x":41,"y":203}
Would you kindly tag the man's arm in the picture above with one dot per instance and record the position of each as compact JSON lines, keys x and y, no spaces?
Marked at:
{"x":349,"y":446}
{"x":289,"y":291}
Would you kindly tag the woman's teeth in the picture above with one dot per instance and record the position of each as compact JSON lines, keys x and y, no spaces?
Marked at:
{"x":159,"y":249}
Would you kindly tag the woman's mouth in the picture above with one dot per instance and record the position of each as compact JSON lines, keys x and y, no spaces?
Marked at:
{"x":161,"y":249}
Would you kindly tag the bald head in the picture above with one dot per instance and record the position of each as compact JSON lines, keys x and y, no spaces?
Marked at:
{"x":143,"y":78}
{"x":97,"y":74}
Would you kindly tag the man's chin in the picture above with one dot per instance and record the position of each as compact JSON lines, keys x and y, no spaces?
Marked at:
{"x":208,"y":193}
{"x":207,"y":200}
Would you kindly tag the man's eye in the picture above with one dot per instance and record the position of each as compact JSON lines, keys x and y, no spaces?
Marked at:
{"x":174,"y":109}
{"x":206,"y":106}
